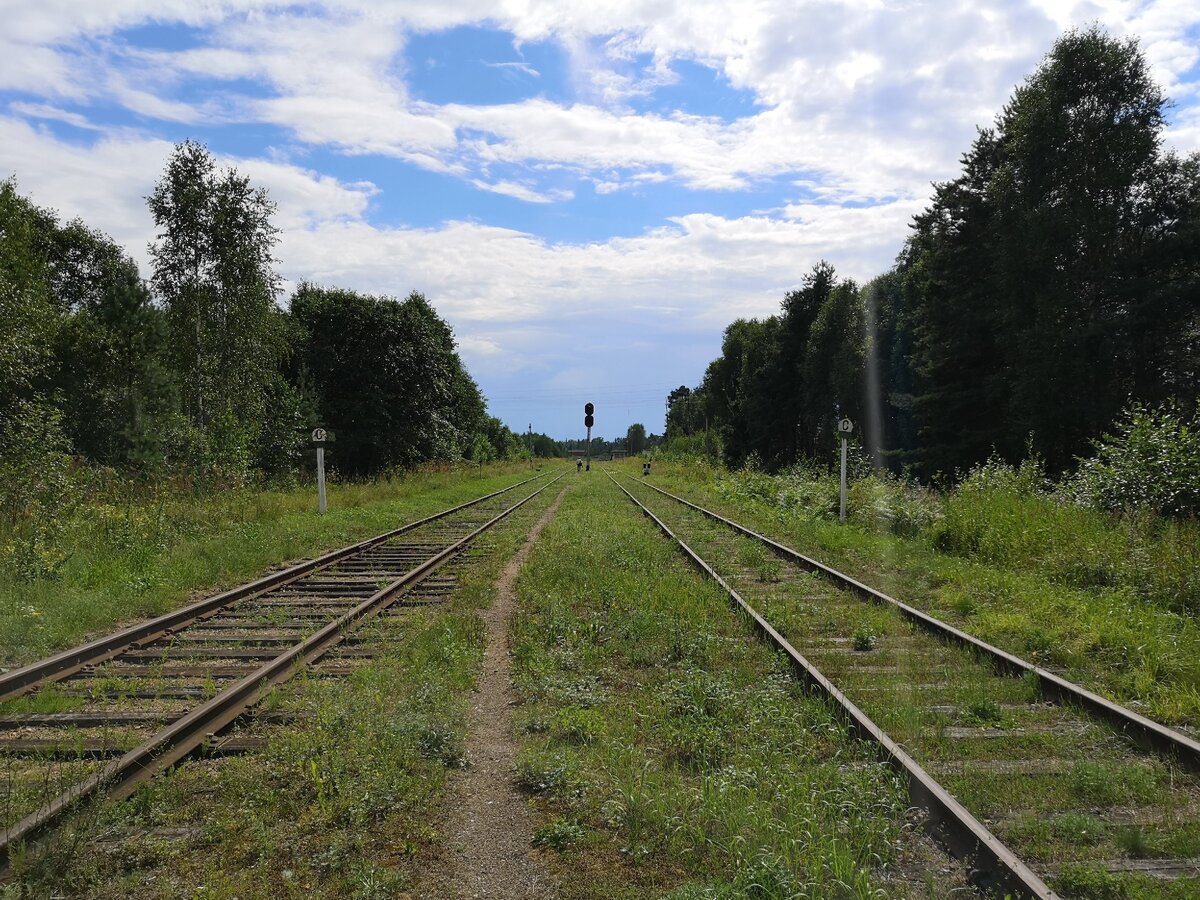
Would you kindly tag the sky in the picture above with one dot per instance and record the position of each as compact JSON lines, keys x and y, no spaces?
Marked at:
{"x":589,"y":193}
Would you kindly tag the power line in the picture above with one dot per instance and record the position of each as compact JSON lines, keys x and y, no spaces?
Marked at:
{"x":614,"y":394}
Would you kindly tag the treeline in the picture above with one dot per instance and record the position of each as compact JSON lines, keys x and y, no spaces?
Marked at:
{"x":198,"y":371}
{"x":635,"y":441}
{"x":1048,"y":293}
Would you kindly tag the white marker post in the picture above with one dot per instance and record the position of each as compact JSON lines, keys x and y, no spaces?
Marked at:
{"x":318,"y":437}
{"x":845,"y":426}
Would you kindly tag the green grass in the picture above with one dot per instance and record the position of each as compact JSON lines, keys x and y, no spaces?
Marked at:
{"x":668,"y":753}
{"x":139,"y":557}
{"x":1124,"y":805}
{"x":342,"y":804}
{"x":1109,"y":601}
{"x":678,"y":750}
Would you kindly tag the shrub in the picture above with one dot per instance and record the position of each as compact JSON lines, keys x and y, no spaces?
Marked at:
{"x":991,"y":511}
{"x":41,"y":488}
{"x":690,"y":448}
{"x":865,"y":638}
{"x":544,"y":773}
{"x":1151,"y":463}
{"x":885,"y":503}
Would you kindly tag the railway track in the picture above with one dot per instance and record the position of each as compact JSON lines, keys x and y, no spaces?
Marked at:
{"x":107,"y":716}
{"x":1033,"y":780}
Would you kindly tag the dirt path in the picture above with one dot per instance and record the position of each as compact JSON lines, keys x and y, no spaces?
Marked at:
{"x":488,"y":824}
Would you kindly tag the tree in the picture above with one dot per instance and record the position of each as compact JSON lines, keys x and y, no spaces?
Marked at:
{"x":83,"y":265}
{"x":387,"y":379}
{"x":35,"y":464}
{"x":681,"y":412}
{"x":214,"y":270}
{"x":1079,"y":154}
{"x":764,"y":397}
{"x":960,"y":394}
{"x":29,"y":317}
{"x":635,"y":439}
{"x":99,"y":339}
{"x":802,"y":413}
{"x":742,"y":387}
{"x":501,"y":438}
{"x":887,"y":426}
{"x":833,"y":367}
{"x":112,"y":375}
{"x":546,"y":446}
{"x":1058,"y":275}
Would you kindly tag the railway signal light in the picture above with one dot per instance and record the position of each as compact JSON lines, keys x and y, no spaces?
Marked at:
{"x":588,"y":409}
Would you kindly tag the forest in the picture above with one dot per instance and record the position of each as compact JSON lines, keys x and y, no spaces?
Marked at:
{"x":1046,"y":305}
{"x":197,"y":378}
{"x":198,"y":370}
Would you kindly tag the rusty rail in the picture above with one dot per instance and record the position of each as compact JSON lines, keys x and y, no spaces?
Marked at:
{"x":995,"y":868}
{"x":1145,"y":732}
{"x":67,"y":662}
{"x":122,"y":776}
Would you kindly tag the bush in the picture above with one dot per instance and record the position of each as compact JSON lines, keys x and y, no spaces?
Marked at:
{"x":692,"y":447}
{"x":802,"y":491}
{"x":996,"y":476}
{"x":885,"y":503}
{"x":1151,"y":463}
{"x":40,"y":488}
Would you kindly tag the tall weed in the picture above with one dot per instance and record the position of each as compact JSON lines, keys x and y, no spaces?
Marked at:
{"x":1010,"y":517}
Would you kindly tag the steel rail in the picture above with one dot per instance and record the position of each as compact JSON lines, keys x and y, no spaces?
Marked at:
{"x":67,"y":662}
{"x":124,"y":775}
{"x":1144,"y":731}
{"x":995,"y":867}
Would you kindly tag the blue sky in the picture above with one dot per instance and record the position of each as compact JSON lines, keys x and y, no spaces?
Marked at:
{"x":588,"y":193}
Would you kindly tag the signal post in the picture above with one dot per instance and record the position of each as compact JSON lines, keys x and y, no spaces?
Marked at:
{"x":589,"y":421}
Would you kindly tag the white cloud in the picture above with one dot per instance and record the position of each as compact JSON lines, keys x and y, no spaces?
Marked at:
{"x":105,"y":183}
{"x":702,"y":269}
{"x":480,"y":346}
{"x":705,"y":268}
{"x":859,"y":104}
{"x":523,"y":68}
{"x":870,"y":99}
{"x":54,"y":114}
{"x":522,"y":191}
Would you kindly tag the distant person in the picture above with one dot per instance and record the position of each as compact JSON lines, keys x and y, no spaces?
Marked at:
{"x":578,"y":466}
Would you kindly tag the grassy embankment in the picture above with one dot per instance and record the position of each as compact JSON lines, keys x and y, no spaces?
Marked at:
{"x":1082,"y":798}
{"x":343,"y":803}
{"x":141,"y":555}
{"x":1109,"y":601}
{"x":670,"y":752}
